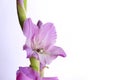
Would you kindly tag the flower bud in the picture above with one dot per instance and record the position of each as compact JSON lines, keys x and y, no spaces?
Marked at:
{"x":21,"y":10}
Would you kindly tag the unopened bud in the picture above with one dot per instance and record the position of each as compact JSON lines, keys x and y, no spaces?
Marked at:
{"x":21,"y":10}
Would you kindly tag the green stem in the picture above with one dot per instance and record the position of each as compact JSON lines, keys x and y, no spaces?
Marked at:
{"x":35,"y":64}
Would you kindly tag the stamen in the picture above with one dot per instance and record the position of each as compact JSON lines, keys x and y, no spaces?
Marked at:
{"x":40,"y":51}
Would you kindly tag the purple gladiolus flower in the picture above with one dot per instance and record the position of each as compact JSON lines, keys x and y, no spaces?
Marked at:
{"x":27,"y":73}
{"x":40,"y":41}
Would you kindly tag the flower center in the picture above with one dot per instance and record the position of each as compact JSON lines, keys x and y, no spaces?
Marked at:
{"x":40,"y":51}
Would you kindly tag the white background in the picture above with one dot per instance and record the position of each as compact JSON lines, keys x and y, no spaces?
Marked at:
{"x":88,"y":30}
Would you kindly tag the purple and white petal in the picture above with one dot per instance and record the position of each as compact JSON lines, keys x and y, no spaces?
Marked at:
{"x":56,"y":51}
{"x":51,"y":54}
{"x":27,"y":73}
{"x":47,"y":35}
{"x":29,"y":29}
